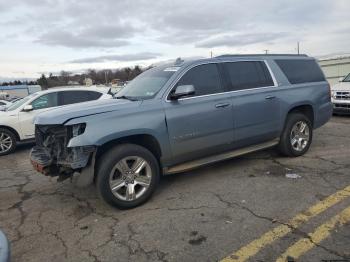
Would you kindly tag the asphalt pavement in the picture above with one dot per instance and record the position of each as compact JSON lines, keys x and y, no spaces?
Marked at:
{"x":258,"y":207}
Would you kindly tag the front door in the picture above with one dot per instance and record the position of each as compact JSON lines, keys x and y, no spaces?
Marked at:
{"x":41,"y":104}
{"x":202,"y":123}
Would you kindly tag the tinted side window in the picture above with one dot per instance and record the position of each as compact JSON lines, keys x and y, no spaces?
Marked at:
{"x":204,"y":78}
{"x":45,"y":101}
{"x":248,"y":74}
{"x":73,"y":97}
{"x":301,"y":71}
{"x":94,"y":95}
{"x":2,"y":104}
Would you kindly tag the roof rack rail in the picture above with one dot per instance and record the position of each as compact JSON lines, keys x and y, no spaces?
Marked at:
{"x":238,"y":55}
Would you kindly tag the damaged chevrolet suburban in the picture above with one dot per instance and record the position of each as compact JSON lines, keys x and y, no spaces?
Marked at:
{"x":179,"y":116}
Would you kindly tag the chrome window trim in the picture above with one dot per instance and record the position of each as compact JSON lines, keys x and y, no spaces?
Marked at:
{"x":275,"y":84}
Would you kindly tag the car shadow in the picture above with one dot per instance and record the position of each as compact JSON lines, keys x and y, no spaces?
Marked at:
{"x":24,"y":146}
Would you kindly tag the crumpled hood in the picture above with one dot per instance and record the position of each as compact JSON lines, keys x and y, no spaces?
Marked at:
{"x":62,"y":114}
{"x":342,"y":86}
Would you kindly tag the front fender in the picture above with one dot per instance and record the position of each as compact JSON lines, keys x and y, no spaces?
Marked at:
{"x":103,"y":128}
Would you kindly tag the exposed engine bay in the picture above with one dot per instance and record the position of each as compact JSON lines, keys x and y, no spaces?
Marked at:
{"x":52,"y":156}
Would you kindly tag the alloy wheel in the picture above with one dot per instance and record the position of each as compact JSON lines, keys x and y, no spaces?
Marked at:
{"x":5,"y":142}
{"x":300,"y":136}
{"x":130,"y":178}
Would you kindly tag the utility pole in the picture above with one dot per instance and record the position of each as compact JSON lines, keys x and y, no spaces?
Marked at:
{"x":106,"y":77}
{"x":266,"y":51}
{"x":298,"y":48}
{"x":211,"y":54}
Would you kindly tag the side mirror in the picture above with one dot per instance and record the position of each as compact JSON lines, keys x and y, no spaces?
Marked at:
{"x":28,"y":108}
{"x":182,"y":91}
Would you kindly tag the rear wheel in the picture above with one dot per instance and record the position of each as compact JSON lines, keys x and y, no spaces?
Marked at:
{"x":297,"y":135}
{"x":7,"y":142}
{"x":127,"y":176}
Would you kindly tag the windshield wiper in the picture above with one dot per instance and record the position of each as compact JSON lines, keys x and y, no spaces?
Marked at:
{"x":127,"y":97}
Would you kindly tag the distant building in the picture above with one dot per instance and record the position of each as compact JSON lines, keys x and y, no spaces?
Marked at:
{"x":115,"y":82}
{"x":19,"y":90}
{"x":73,"y":83}
{"x":335,"y":67}
{"x":88,"y":81}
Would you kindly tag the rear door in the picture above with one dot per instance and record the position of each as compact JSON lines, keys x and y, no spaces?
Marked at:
{"x":256,"y":107}
{"x":203,"y":123}
{"x":77,"y":96}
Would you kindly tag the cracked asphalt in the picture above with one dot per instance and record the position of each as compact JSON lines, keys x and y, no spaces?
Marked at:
{"x":202,"y":215}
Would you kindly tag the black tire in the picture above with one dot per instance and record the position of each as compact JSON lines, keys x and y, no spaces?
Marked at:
{"x":108,"y":161}
{"x":9,"y":136}
{"x":285,"y":144}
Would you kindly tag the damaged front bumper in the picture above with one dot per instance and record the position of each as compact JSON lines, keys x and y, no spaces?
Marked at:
{"x":52,"y":157}
{"x":46,"y":164}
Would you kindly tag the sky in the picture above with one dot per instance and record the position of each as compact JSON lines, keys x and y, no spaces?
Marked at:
{"x":42,"y":36}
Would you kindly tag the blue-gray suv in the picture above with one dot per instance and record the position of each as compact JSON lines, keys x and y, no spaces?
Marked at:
{"x":179,"y":116}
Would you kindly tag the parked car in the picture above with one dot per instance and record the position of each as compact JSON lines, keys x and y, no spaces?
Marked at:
{"x":4,"y":248}
{"x":14,"y":99}
{"x":4,"y":104}
{"x":180,"y":116}
{"x":16,"y":123}
{"x":341,"y":96}
{"x":4,"y":95}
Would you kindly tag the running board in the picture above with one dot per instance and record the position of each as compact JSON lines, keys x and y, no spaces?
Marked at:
{"x":216,"y":158}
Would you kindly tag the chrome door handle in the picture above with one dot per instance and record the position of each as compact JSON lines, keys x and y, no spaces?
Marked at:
{"x":270,"y":97}
{"x":222,"y":105}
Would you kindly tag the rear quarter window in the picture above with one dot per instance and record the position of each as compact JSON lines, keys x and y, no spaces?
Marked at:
{"x":300,"y":71}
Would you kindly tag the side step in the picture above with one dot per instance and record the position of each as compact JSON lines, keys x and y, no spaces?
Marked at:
{"x":216,"y":158}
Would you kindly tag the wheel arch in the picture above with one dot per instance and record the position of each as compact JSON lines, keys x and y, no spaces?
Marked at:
{"x":12,"y":130}
{"x":145,"y":140}
{"x":306,"y":109}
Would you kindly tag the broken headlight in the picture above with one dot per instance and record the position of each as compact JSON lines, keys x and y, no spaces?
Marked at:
{"x":78,"y":129}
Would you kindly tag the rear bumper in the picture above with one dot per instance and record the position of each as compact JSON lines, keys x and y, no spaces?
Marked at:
{"x":323,"y":115}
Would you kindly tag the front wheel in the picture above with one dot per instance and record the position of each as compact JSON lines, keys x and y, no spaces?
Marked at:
{"x":7,"y":142}
{"x":297,"y":135}
{"x":127,"y":176}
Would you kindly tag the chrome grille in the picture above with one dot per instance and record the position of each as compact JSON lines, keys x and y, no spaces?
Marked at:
{"x":342,"y":106}
{"x":342,"y":95}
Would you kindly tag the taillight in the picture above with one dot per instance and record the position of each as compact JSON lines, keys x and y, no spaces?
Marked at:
{"x":329,"y":91}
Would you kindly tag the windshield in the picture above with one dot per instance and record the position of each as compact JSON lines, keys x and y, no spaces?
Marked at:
{"x":347,"y":78}
{"x":20,"y":102}
{"x":148,"y":84}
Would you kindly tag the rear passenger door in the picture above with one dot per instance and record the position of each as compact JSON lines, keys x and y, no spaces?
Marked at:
{"x":73,"y":97}
{"x":256,"y":107}
{"x":202,"y":123}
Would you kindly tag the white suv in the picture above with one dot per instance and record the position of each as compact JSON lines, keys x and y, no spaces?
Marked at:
{"x":341,"y":96}
{"x":16,"y":123}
